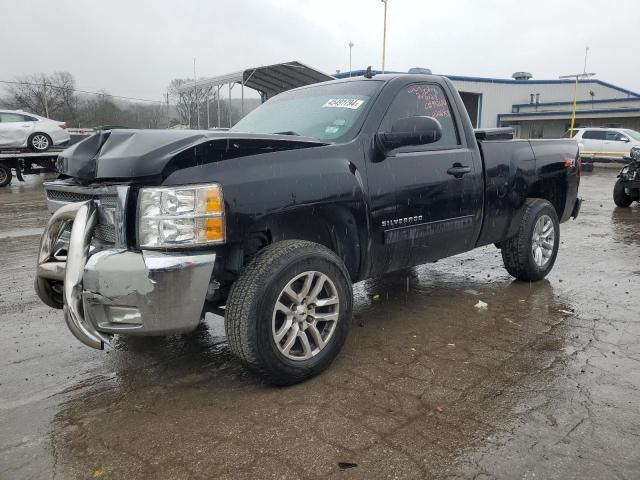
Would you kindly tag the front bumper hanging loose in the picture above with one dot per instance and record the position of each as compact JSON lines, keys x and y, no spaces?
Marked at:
{"x":116,"y":290}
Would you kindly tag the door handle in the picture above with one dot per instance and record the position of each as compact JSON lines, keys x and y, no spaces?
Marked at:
{"x":458,"y":170}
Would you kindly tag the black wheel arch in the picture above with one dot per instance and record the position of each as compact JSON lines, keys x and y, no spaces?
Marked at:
{"x":335,"y":227}
{"x":554,"y":190}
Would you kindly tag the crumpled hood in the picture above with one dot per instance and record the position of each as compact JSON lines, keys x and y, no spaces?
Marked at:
{"x":134,"y":154}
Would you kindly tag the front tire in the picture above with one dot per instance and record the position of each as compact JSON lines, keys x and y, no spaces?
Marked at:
{"x":531,"y":253}
{"x":620,"y":198}
{"x":39,"y":142}
{"x":289,"y":313}
{"x":5,"y":175}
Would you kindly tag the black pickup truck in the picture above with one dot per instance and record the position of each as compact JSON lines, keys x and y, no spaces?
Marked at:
{"x":271,"y":222}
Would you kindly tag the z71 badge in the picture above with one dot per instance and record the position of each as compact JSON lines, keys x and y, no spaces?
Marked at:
{"x":399,"y":222}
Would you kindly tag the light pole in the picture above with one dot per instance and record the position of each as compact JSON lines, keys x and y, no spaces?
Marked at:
{"x":578,"y":77}
{"x":350,"y":48}
{"x":384,"y":33}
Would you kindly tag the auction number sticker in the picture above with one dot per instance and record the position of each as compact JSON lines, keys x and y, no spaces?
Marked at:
{"x":351,"y":103}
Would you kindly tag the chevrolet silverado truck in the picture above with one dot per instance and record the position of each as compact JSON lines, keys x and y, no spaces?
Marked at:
{"x":270,"y":223}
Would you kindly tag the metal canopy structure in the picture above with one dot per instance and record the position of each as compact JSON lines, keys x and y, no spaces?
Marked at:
{"x":267,"y":80}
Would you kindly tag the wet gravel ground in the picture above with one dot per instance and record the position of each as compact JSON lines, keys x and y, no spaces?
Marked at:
{"x":544,"y":383}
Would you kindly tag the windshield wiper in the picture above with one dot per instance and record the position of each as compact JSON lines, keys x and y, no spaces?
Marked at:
{"x":288,"y":132}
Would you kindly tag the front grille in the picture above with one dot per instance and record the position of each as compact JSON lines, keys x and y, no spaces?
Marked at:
{"x":105,"y":233}
{"x":109,"y":201}
{"x":106,"y":201}
{"x":68,"y":197}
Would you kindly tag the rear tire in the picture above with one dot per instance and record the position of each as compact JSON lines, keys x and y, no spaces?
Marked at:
{"x":272,"y":306}
{"x":530,"y":254}
{"x":5,"y":175}
{"x":619,"y":196}
{"x":39,"y":142}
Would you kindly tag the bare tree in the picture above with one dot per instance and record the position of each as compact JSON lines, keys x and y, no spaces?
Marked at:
{"x":47,"y":95}
{"x":55,"y":96}
{"x":186,"y":102}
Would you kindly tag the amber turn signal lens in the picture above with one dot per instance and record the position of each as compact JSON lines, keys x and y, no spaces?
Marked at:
{"x":214,"y":229}
{"x":213,"y":201}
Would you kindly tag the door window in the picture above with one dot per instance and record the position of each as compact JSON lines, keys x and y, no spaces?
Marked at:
{"x":11,"y":118}
{"x":616,"y":137}
{"x":594,"y":135}
{"x":423,"y":100}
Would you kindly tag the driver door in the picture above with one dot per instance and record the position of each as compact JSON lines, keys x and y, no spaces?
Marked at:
{"x":436,"y":189}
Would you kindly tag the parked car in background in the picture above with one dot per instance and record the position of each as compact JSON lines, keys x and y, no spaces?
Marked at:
{"x":606,"y":143}
{"x":25,"y":130}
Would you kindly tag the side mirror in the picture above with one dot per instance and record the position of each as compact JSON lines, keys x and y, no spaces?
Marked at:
{"x":624,"y":139}
{"x":418,"y":130}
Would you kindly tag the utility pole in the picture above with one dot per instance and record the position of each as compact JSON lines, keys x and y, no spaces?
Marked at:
{"x":229,"y":109}
{"x":195,"y":92}
{"x":586,"y":54}
{"x":218,"y":102}
{"x":351,"y":44}
{"x":384,"y":33}
{"x":44,"y":92}
{"x":578,"y":77}
{"x":166,"y":96}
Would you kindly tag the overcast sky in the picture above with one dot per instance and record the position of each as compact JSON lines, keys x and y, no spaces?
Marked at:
{"x":135,"y":47}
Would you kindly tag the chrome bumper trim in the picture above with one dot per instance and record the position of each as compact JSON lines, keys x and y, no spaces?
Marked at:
{"x":84,"y":218}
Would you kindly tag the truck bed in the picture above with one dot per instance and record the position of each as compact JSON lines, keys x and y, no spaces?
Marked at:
{"x":517,"y":169}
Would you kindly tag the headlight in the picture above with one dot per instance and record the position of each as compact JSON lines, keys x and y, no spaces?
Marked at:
{"x":170,"y":217}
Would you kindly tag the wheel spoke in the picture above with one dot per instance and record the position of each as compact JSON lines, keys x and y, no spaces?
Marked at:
{"x":326,"y":317}
{"x":286,"y":326}
{"x":291,"y":339}
{"x":548,"y":245}
{"x":306,"y":286}
{"x":325,"y":302}
{"x":315,"y":333}
{"x":293,"y":295}
{"x":281,"y":307}
{"x":317,"y":288}
{"x":539,"y":226}
{"x":306,"y":346}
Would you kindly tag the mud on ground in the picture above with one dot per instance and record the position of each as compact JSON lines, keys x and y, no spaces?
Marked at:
{"x":543,"y":384}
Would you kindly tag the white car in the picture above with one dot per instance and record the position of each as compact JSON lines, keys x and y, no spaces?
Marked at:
{"x":606,"y":142}
{"x":25,"y":130}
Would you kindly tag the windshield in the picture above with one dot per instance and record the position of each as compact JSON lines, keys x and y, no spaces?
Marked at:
{"x":633,"y":134}
{"x":326,"y":112}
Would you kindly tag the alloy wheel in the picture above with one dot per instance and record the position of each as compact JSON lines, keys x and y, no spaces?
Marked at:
{"x":305,"y":315}
{"x":40,"y":142}
{"x":543,"y":240}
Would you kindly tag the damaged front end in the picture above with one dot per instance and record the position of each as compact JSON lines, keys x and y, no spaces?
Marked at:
{"x":85,"y":268}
